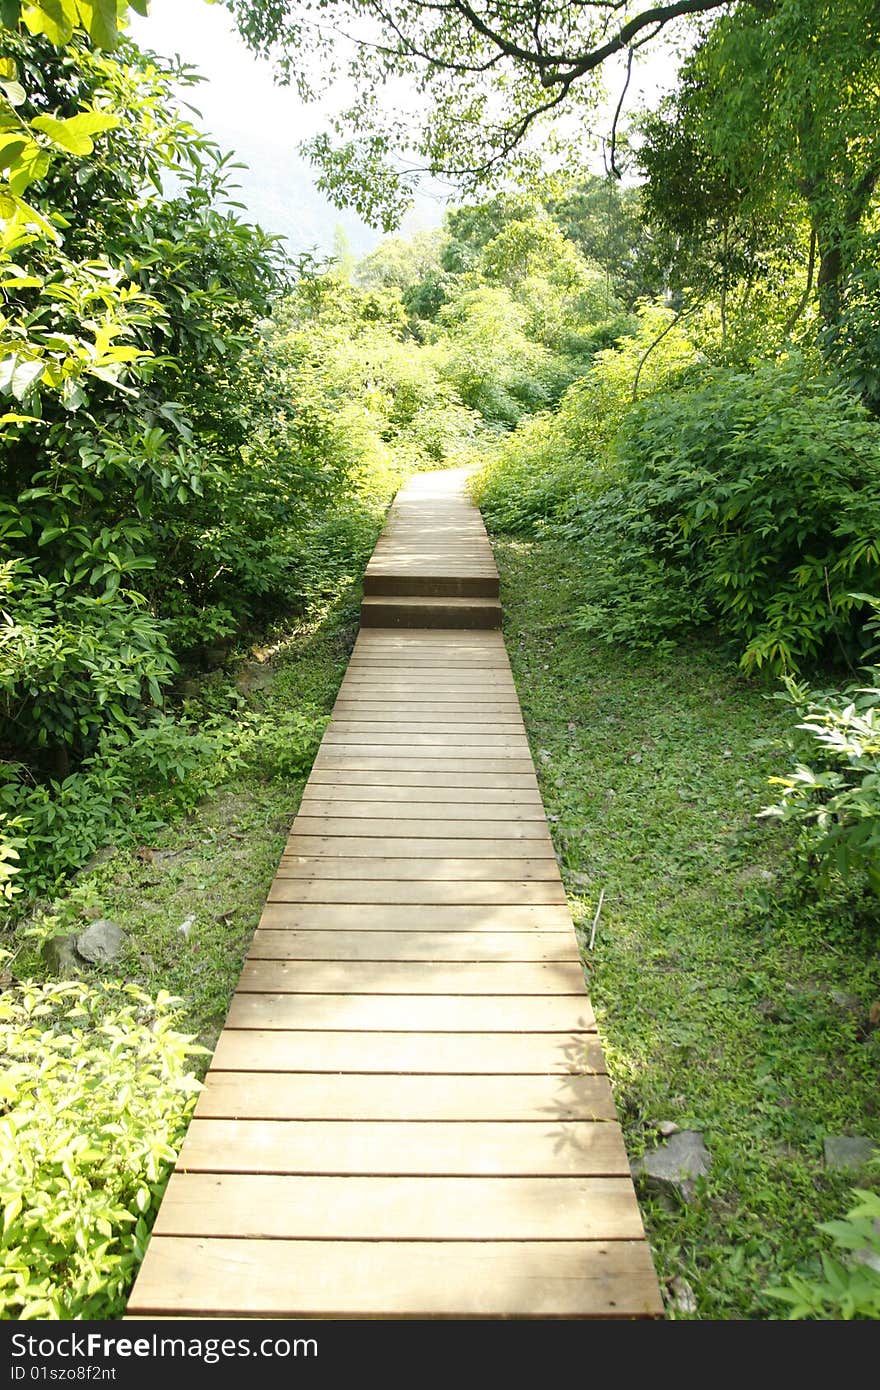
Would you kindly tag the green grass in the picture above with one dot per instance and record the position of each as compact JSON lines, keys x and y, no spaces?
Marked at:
{"x":718,"y":982}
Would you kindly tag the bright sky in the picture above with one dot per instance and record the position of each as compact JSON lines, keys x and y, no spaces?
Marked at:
{"x":243,"y":109}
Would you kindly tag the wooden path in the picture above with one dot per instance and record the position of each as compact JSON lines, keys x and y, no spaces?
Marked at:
{"x":407,"y":1114}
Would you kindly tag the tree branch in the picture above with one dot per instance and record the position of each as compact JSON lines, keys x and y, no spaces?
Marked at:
{"x":682,"y":314}
{"x":613,"y":150}
{"x":808,"y":288}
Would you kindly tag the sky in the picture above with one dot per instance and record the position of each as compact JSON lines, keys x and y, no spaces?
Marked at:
{"x":246,"y":112}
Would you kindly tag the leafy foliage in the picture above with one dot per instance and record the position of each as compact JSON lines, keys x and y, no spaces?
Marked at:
{"x":749,"y":500}
{"x":72,"y":664}
{"x":850,"y":1286}
{"x":174,"y":470}
{"x":488,"y":81}
{"x":547,"y":467}
{"x":833,"y":788}
{"x":96,"y":1097}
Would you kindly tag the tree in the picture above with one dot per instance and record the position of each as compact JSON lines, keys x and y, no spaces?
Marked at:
{"x":486,"y":76}
{"x":776,"y":118}
{"x":126,"y":315}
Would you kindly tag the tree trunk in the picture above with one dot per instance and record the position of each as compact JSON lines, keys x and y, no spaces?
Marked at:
{"x":829,"y":282}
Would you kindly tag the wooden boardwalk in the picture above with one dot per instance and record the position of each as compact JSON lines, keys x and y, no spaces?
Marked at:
{"x":407,"y":1114}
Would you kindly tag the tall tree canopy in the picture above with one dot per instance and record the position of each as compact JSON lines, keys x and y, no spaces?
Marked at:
{"x":485,"y":74}
{"x":776,"y":118}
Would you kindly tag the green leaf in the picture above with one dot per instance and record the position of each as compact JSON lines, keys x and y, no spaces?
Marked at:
{"x":74,"y":134}
{"x":53,"y":18}
{"x":13,"y":91}
{"x":100,"y":19}
{"x":10,"y":13}
{"x":24,"y":377}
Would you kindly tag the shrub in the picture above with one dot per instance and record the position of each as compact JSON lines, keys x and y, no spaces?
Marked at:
{"x":551,"y":465}
{"x":833,"y":788}
{"x":134,"y":783}
{"x":752,"y":499}
{"x":131,"y":784}
{"x":528,"y":478}
{"x":72,"y":664}
{"x":96,"y":1096}
{"x":850,"y":1287}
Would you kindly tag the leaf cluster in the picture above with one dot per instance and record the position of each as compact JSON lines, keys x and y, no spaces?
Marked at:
{"x":96,"y":1094}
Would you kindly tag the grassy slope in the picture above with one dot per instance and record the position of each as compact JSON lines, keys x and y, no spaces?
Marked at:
{"x":726,"y":1003}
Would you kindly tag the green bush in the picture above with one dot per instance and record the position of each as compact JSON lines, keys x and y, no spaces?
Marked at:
{"x":74,"y":664}
{"x":551,"y":465}
{"x":751,"y":499}
{"x":833,"y":788}
{"x":132,"y":783}
{"x":96,"y":1096}
{"x":135,"y":782}
{"x":9,"y":857}
{"x":529,"y":477}
{"x":849,"y":1287}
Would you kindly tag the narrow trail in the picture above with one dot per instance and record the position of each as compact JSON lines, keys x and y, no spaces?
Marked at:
{"x":407,"y":1113}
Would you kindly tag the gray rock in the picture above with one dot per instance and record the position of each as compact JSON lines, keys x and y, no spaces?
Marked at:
{"x":850,"y":1002}
{"x":848,"y":1151}
{"x":673,"y":1167}
{"x":102,"y":942}
{"x":667,"y":1128}
{"x":254,"y":675}
{"x":682,"y":1295}
{"x":59,"y":953}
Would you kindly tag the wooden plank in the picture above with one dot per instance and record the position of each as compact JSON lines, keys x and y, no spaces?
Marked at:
{"x":421,"y":1148}
{"x":422,"y":777}
{"x":451,"y":659}
{"x":432,"y":1013}
{"x":413,"y":945}
{"x":466,"y":1054}
{"x":411,"y":977}
{"x":385,"y":736}
{"x":415,"y":688}
{"x":379,"y":711}
{"x":421,"y":660}
{"x":491,"y":686}
{"x":407,"y":871}
{"x":403,"y":846}
{"x":427,"y":639}
{"x":352,"y":761}
{"x":437,"y":812}
{"x":465,"y":723}
{"x":449,"y":827}
{"x":448,"y":892}
{"x":515,"y":801}
{"x":377,"y":1097}
{"x":490,"y":917}
{"x":380,"y":1279}
{"x":351,"y":1208}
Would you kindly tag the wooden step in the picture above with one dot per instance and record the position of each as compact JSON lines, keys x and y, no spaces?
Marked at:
{"x":387,"y":582}
{"x":426,"y":612}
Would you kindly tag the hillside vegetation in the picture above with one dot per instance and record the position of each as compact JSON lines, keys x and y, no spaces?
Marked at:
{"x":668,"y":388}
